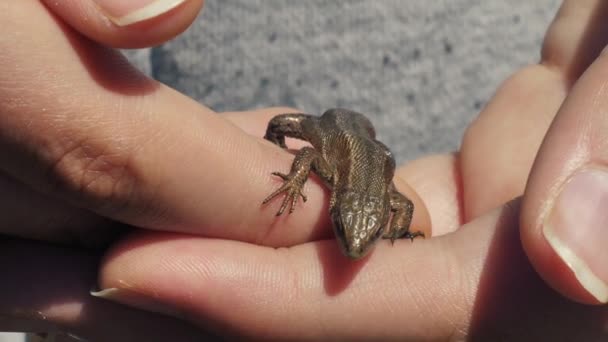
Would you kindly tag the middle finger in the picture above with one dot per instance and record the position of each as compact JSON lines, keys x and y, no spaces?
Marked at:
{"x":499,"y":148}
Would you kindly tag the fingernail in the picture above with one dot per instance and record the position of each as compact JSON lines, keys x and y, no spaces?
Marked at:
{"x":123,"y":13}
{"x":577,"y":229}
{"x":135,"y":299}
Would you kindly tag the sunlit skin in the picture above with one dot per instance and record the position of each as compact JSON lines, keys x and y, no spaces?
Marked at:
{"x":210,"y":259}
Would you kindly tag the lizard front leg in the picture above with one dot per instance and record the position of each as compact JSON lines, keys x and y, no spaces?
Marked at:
{"x":403,"y":210}
{"x":306,"y":159}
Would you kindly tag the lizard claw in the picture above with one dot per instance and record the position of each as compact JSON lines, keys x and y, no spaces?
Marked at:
{"x":282,"y":175}
{"x":292,"y":185}
{"x":407,"y":235}
{"x":412,"y":236}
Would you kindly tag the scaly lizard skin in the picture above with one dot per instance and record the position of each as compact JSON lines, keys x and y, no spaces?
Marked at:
{"x":355,"y":166}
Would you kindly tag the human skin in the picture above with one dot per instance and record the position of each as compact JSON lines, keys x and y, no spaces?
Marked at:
{"x":87,"y":142}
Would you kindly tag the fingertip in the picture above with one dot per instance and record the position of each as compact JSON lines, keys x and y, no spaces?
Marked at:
{"x":127,"y":24}
{"x":566,"y":250}
{"x":564,"y":237}
{"x":437,"y":182}
{"x":421,"y":221}
{"x":553,"y":270}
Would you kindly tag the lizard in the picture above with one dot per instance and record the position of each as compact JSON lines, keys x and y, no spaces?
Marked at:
{"x":358,"y":169}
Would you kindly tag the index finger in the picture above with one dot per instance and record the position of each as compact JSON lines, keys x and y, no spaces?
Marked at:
{"x":81,"y":124}
{"x":96,"y":133}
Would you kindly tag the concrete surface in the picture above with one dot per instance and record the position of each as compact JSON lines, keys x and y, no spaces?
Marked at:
{"x":420,"y":69}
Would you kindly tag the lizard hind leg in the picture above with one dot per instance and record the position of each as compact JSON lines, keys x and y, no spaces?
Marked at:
{"x":403,"y":210}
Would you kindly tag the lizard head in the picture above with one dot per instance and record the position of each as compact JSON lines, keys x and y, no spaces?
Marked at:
{"x":359,"y":220}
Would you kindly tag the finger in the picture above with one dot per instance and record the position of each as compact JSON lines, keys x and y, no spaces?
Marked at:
{"x":575,"y":38}
{"x":436,"y":180}
{"x":107,"y":139}
{"x":504,"y":139}
{"x":473,"y":284}
{"x":125,"y":24}
{"x":95,"y":133}
{"x":32,"y":215}
{"x":46,"y":289}
{"x":564,"y":220}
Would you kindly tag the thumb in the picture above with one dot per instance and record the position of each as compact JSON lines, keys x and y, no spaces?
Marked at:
{"x":127,"y":24}
{"x":564,"y":225}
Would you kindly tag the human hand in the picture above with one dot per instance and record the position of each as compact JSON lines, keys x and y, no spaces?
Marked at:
{"x":473,"y":282}
{"x":559,"y":103}
{"x":87,"y":142}
{"x":476,"y":283}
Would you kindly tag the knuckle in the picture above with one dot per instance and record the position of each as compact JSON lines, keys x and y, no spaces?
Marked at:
{"x":94,"y":174}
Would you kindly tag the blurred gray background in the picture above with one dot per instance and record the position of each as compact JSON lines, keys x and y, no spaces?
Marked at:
{"x":421,"y":70}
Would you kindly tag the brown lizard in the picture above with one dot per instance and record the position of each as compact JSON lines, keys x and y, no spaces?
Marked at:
{"x":356,"y":167}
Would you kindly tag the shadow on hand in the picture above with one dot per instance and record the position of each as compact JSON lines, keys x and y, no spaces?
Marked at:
{"x":45,"y":288}
{"x":514,"y":304}
{"x":338,"y":270}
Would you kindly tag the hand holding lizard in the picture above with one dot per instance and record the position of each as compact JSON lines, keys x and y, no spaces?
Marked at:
{"x":481,"y":269}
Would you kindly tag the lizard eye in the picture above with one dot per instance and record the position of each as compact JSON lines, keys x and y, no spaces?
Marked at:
{"x":371,"y":205}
